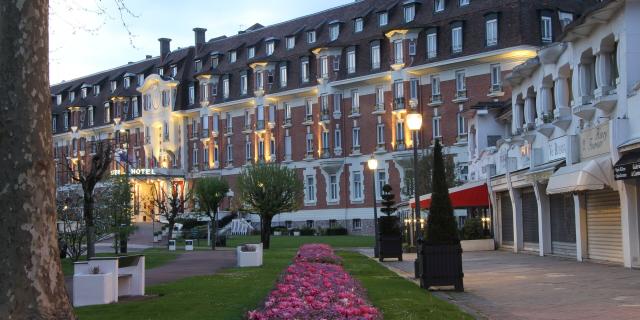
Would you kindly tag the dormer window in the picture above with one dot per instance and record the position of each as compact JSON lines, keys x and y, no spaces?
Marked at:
{"x":291,"y":42}
{"x":127,"y":82}
{"x":438,"y":5}
{"x":96,"y":89}
{"x":358,"y":25}
{"x":140,"y":79}
{"x":311,"y":36}
{"x":114,"y":85}
{"x":464,"y":3}
{"x":161,"y":72}
{"x":214,"y":62}
{"x":198,"y":65}
{"x":233,"y":56}
{"x":83,"y":93}
{"x":72,"y":95}
{"x":271,"y":46}
{"x":58,"y":99}
{"x":334,"y":32}
{"x":174,"y":71}
{"x":409,"y":13}
{"x":383,"y":18}
{"x":251,"y":52}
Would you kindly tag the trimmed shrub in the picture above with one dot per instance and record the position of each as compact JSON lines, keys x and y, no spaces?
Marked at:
{"x":338,"y":231}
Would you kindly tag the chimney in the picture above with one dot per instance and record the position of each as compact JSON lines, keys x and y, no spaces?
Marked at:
{"x":165,"y":46}
{"x":199,"y":33}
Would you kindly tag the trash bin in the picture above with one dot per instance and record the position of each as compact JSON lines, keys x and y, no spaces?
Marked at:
{"x":172,"y":245}
{"x":188,"y":245}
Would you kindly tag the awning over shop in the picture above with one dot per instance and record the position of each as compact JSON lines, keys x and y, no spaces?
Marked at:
{"x":593,"y":174}
{"x":473,"y":194}
{"x":628,"y":167}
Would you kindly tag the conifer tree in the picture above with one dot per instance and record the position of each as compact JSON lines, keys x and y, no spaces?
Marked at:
{"x":441,"y":224}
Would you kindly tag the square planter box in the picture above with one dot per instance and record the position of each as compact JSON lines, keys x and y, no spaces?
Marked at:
{"x":441,"y":265}
{"x":249,"y":258}
{"x":390,"y":247}
{"x":92,"y":289}
{"x":478,"y":245}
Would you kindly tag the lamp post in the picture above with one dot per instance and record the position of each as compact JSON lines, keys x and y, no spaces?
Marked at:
{"x":372,"y":163}
{"x":414,"y":122}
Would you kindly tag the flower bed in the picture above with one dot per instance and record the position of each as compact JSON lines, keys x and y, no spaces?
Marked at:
{"x":316,"y":290}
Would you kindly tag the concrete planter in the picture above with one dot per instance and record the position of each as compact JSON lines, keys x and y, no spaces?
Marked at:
{"x":478,"y":245}
{"x":277,"y":233}
{"x":296,"y":233}
{"x":92,"y":289}
{"x":188,"y":245}
{"x":249,"y":258}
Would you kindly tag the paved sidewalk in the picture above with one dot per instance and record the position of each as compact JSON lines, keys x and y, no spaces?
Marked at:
{"x":504,"y":285}
{"x":190,"y":264}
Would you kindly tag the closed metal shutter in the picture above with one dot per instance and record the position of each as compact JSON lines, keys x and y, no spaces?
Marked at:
{"x":529,"y":220}
{"x":604,"y":227}
{"x":563,"y":225}
{"x":506,"y":218}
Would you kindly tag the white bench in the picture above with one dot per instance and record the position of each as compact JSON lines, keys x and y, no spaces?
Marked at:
{"x":103,"y":280}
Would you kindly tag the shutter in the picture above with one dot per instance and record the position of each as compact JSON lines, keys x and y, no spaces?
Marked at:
{"x":563,"y":225}
{"x":604,"y":228}
{"x":506,"y":218}
{"x":529,"y":220}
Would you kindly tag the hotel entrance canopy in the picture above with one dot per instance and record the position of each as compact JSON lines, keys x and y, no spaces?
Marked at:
{"x":473,"y":194}
{"x":593,"y":174}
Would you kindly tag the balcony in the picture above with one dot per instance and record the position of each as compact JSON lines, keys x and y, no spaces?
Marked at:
{"x":261,"y":125}
{"x":325,"y":116}
{"x":378,"y":108}
{"x":495,"y":91}
{"x":308,"y":120}
{"x":461,"y":96}
{"x":400,"y":146}
{"x":287,"y":123}
{"x":398,"y":104}
{"x":247,"y":128}
{"x":355,"y":112}
{"x":325,"y":153}
{"x":562,"y":117}
{"x":204,"y":133}
{"x":436,"y":100}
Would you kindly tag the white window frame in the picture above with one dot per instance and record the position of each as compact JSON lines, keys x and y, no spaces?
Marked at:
{"x":198,"y":65}
{"x":383,"y":19}
{"x":456,"y":39}
{"x":337,"y":139}
{"x":463,"y":3}
{"x":375,"y":56}
{"x":140,"y":79}
{"x":114,"y":85}
{"x":270,"y":47}
{"x":251,"y":52}
{"x":174,"y":71}
{"x":324,"y":67}
{"x":380,"y":134}
{"x":311,"y":36}
{"x":107,"y":112}
{"x":243,"y":84}
{"x":304,"y":66}
{"x":225,"y":88}
{"x":310,"y":188}
{"x":492,"y":32}
{"x":398,"y":51}
{"x":461,"y":81}
{"x":90,"y":115}
{"x":333,"y":188}
{"x":547,"y":29}
{"x":290,"y":42}
{"x":58,"y":99}
{"x":462,"y":124}
{"x":435,"y":85}
{"x":351,"y":61}
{"x":355,"y":137}
{"x":283,"y":76}
{"x":437,"y":133}
{"x":358,"y":25}
{"x":496,"y":76}
{"x":438,"y":5}
{"x":357,"y":191}
{"x":233,"y":56}
{"x":192,"y":94}
{"x":409,"y":13}
{"x":334,"y":32}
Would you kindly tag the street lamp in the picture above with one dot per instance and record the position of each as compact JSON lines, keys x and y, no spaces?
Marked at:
{"x":372,"y":163}
{"x":414,"y":122}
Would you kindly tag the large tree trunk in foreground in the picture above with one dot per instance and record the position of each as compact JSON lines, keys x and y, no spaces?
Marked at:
{"x":31,"y":280}
{"x":90,"y":223}
{"x":265,"y":231}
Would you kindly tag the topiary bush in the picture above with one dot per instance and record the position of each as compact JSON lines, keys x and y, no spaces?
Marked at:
{"x":473,"y":230}
{"x":307,"y":231}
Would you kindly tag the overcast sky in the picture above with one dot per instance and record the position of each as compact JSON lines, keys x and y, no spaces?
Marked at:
{"x":87,"y":36}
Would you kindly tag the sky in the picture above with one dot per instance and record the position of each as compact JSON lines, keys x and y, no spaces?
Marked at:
{"x":87,"y":36}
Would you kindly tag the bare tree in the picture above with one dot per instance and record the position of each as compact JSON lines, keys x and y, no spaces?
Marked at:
{"x":71,"y":227}
{"x":99,"y":165}
{"x":32,"y":285}
{"x":171,"y":204}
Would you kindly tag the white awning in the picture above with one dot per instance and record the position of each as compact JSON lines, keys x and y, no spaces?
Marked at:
{"x":593,"y":174}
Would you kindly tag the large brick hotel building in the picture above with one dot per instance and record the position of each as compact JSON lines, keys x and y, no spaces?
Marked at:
{"x":321,"y":93}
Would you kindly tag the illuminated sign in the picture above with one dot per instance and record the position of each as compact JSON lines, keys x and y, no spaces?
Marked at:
{"x":135,"y":172}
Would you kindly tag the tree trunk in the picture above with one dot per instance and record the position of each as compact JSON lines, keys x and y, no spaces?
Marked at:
{"x":170,"y":234}
{"x":90,"y":222}
{"x":265,"y":231}
{"x":214,"y":227}
{"x":32,"y":283}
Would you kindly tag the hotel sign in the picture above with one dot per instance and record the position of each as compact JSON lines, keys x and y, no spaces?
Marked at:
{"x":135,"y":172}
{"x":557,"y":149}
{"x":594,"y":141}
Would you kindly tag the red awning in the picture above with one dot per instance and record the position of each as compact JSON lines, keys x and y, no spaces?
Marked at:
{"x":474,"y":194}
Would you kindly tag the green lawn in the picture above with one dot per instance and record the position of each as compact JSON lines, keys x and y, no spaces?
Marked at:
{"x":295,"y":242}
{"x":232,"y":292}
{"x":153,"y":258}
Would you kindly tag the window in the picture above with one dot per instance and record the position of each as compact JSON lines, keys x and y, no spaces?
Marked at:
{"x":161,"y":71}
{"x":304,"y":66}
{"x":355,"y":102}
{"x":290,"y":42}
{"x":380,"y":134}
{"x":204,"y":92}
{"x":325,"y":141}
{"x":336,"y":63}
{"x":198,"y":65}
{"x":311,"y":36}
{"x":436,"y":124}
{"x":412,"y":48}
{"x":215,"y":61}
{"x":358,"y":25}
{"x":324,"y":104}
{"x":107,"y":113}
{"x":356,"y":137}
{"x":310,"y":188}
{"x":308,"y":109}
{"x":229,"y":150}
{"x":54,"y":123}
{"x":165,"y":97}
{"x":383,"y":18}
{"x":463,"y":2}
{"x":309,"y":143}
{"x":460,"y":81}
{"x":243,"y":84}
{"x":233,"y":56}
{"x":324,"y":67}
{"x":247,"y":148}
{"x":409,"y":13}
{"x":261,"y":149}
{"x":166,"y":131}
{"x":272,"y":148}
{"x":357,"y":185}
{"x":334,"y":32}
{"x":496,"y":77}
{"x":375,"y":55}
{"x":140,"y":79}
{"x":114,"y":85}
{"x":547,"y":29}
{"x":435,"y":86}
{"x":333,"y":187}
{"x":381,"y":178}
{"x":90,"y":115}
{"x":72,"y":95}
{"x":192,"y":95}
{"x":309,"y":223}
{"x":194,"y":156}
{"x":225,"y":88}
{"x":462,"y":124}
{"x":351,"y":61}
{"x":333,"y":223}
{"x":397,"y":50}
{"x":456,"y":39}
{"x":380,"y":98}
{"x":83,"y":93}
{"x":438,"y":5}
{"x":398,"y":89}
{"x":66,"y":120}
{"x":414,"y":88}
{"x":356,"y":224}
{"x":287,"y":111}
{"x":565,"y":18}
{"x":492,"y":32}
{"x":271,"y":46}
{"x":337,"y":139}
{"x":229,"y":121}
{"x":134,"y":104}
{"x":205,"y":157}
{"x":147,"y":102}
{"x":259,"y":80}
{"x":400,"y":132}
{"x":251,"y":52}
{"x":247,"y":119}
{"x":283,"y":76}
